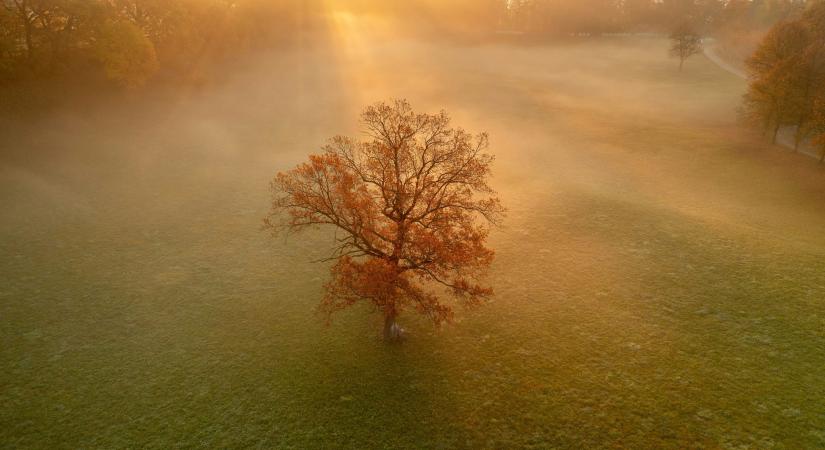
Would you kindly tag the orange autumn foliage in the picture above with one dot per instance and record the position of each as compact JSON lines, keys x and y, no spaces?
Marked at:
{"x":412,"y":209}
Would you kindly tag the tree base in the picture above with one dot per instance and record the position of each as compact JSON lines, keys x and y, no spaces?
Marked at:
{"x":392,"y":331}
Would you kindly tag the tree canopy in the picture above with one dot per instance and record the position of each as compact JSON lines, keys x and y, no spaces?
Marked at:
{"x":787,"y":76}
{"x":411,"y":206}
{"x":130,"y":40}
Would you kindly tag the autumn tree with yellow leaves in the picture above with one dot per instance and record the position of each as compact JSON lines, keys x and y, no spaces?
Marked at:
{"x":787,"y":77}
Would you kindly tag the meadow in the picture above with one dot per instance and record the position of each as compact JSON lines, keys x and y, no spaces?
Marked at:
{"x":659,"y":277}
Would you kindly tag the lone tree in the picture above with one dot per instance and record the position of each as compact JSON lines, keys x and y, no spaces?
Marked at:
{"x":411,"y":207}
{"x":684,"y":43}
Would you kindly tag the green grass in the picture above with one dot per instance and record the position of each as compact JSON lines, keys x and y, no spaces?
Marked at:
{"x":660,"y":277}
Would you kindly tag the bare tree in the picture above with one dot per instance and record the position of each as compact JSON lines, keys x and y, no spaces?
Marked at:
{"x":685,"y":42}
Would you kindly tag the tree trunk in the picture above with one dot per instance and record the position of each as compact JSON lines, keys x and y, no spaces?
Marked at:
{"x":392,"y":332}
{"x":797,"y":137}
{"x":775,"y":134}
{"x":822,"y":155}
{"x":60,"y":45}
{"x":26,"y":20}
{"x":29,"y":50}
{"x":681,"y":63}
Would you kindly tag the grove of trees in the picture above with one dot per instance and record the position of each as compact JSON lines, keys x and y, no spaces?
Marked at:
{"x":787,"y":78}
{"x":410,"y":206}
{"x":131,"y":41}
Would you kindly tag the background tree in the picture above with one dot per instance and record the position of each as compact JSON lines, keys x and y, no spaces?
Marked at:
{"x":818,"y":126}
{"x":26,"y":16}
{"x":8,"y":42}
{"x":806,"y":72}
{"x":815,"y":18}
{"x":768,"y":104}
{"x":685,"y":42}
{"x":127,"y":55}
{"x":411,"y":207}
{"x":787,"y":75}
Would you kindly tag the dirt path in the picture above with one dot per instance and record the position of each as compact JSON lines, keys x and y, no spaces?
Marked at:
{"x":711,"y":54}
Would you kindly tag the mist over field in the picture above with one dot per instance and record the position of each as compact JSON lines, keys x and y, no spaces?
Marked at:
{"x":658,"y":275}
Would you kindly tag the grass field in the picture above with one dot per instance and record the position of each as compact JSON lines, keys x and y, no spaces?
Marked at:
{"x":660,"y":276}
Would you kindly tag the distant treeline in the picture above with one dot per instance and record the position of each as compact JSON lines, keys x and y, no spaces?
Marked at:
{"x":609,"y":16}
{"x":133,"y":41}
{"x":787,"y":78}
